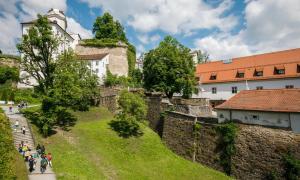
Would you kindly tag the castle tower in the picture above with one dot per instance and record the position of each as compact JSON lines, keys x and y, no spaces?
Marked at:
{"x":57,"y":16}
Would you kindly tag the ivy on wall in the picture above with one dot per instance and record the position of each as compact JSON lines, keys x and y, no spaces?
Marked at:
{"x":228,"y":133}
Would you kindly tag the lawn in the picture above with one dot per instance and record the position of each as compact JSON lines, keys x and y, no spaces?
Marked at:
{"x":91,"y":150}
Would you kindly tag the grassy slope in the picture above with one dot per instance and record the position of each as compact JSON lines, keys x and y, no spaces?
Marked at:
{"x":91,"y":150}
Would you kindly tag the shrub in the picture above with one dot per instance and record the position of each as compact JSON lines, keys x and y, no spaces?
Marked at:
{"x":292,"y":167}
{"x":8,"y":73}
{"x":228,"y":133}
{"x":126,"y":126}
{"x":133,"y":110}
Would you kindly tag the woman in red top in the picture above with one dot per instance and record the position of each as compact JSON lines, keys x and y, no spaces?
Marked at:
{"x":49,"y":157}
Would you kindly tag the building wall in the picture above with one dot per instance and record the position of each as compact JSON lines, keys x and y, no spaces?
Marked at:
{"x":295,"y":122}
{"x":274,"y":119}
{"x":100,"y":65}
{"x":118,"y":63}
{"x":224,"y":90}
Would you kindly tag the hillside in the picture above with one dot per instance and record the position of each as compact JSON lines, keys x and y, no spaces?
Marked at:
{"x":91,"y":150}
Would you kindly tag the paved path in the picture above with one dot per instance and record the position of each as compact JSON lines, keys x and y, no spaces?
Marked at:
{"x":28,"y":139}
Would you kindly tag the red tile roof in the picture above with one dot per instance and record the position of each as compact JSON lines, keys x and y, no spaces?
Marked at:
{"x":278,"y":100}
{"x":92,"y":56}
{"x":226,"y":72}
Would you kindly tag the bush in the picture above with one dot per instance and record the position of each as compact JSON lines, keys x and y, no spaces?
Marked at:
{"x":126,"y":126}
{"x":8,"y":73}
{"x":292,"y":167}
{"x":133,"y":110}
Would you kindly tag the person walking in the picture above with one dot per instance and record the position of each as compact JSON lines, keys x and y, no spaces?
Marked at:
{"x":10,"y":108}
{"x":31,"y":164}
{"x":23,"y":130}
{"x":43,"y":149}
{"x":44,"y":163}
{"x":17,"y":124}
{"x":49,"y":158}
{"x":38,"y":150}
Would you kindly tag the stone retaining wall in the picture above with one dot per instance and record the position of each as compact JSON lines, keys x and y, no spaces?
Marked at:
{"x":259,"y":150}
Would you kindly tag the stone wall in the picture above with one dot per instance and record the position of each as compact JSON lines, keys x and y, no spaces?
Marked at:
{"x":110,"y":102}
{"x":154,"y":113}
{"x":258,"y":149}
{"x":118,"y":63}
{"x":10,"y":62}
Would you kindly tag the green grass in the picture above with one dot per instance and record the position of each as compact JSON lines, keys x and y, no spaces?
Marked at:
{"x":91,"y":150}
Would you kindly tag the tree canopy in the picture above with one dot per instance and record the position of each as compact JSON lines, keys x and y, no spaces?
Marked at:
{"x":202,"y":56}
{"x":169,"y":68}
{"x":106,"y":27}
{"x":37,"y":48}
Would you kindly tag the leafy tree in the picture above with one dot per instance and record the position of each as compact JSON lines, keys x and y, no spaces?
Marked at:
{"x":106,"y":27}
{"x":38,"y":48}
{"x":133,"y":110}
{"x":202,"y":57}
{"x":169,"y":68}
{"x":8,"y":73}
{"x":137,"y":77}
{"x":74,"y":85}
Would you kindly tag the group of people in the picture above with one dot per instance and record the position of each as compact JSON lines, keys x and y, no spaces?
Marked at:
{"x":22,"y":104}
{"x":31,"y":158}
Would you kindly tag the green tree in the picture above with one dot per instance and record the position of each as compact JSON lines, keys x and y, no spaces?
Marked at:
{"x":106,"y":27}
{"x":38,"y":47}
{"x":202,"y":56}
{"x":8,"y":73}
{"x":133,"y":110}
{"x":169,"y":68}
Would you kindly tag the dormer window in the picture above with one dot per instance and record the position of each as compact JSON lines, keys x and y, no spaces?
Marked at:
{"x":240,"y":74}
{"x":213,"y":76}
{"x":258,"y":72}
{"x":279,"y":70}
{"x":298,"y":68}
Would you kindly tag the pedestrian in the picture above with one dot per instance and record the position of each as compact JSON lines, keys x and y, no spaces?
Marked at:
{"x":10,"y":108}
{"x":31,"y":163}
{"x":49,"y":158}
{"x":44,"y":163}
{"x":38,"y":149}
{"x":17,"y":124}
{"x":20,"y":149}
{"x":27,"y":154}
{"x":23,"y":130}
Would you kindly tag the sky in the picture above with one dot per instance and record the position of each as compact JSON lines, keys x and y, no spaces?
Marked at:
{"x":223,"y":28}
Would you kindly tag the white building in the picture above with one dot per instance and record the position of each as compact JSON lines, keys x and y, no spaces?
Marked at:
{"x":98,"y":64}
{"x":220,"y":80}
{"x":272,"y":107}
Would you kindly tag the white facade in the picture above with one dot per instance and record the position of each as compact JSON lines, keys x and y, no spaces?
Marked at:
{"x":265,"y":118}
{"x":99,"y":67}
{"x":223,"y":91}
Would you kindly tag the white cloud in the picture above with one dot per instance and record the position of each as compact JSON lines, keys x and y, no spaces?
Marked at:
{"x":171,"y":16}
{"x":270,"y":26}
{"x":11,"y":17}
{"x":75,"y":27}
{"x":145,"y":39}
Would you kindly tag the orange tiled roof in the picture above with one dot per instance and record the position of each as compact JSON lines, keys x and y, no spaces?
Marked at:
{"x":289,"y":59}
{"x":279,"y":100}
{"x":92,"y":56}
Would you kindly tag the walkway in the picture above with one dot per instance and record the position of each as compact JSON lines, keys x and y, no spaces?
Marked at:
{"x":28,"y":139}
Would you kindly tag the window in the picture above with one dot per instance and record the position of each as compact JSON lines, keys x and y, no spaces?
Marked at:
{"x":240,"y":74}
{"x":234,"y":90}
{"x":254,"y":117}
{"x":259,"y":88}
{"x":289,"y":86}
{"x":258,"y":72}
{"x":213,"y":76}
{"x":298,"y":68}
{"x":221,"y":116}
{"x":279,"y":70}
{"x":97,"y":63}
{"x":214,"y":90}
